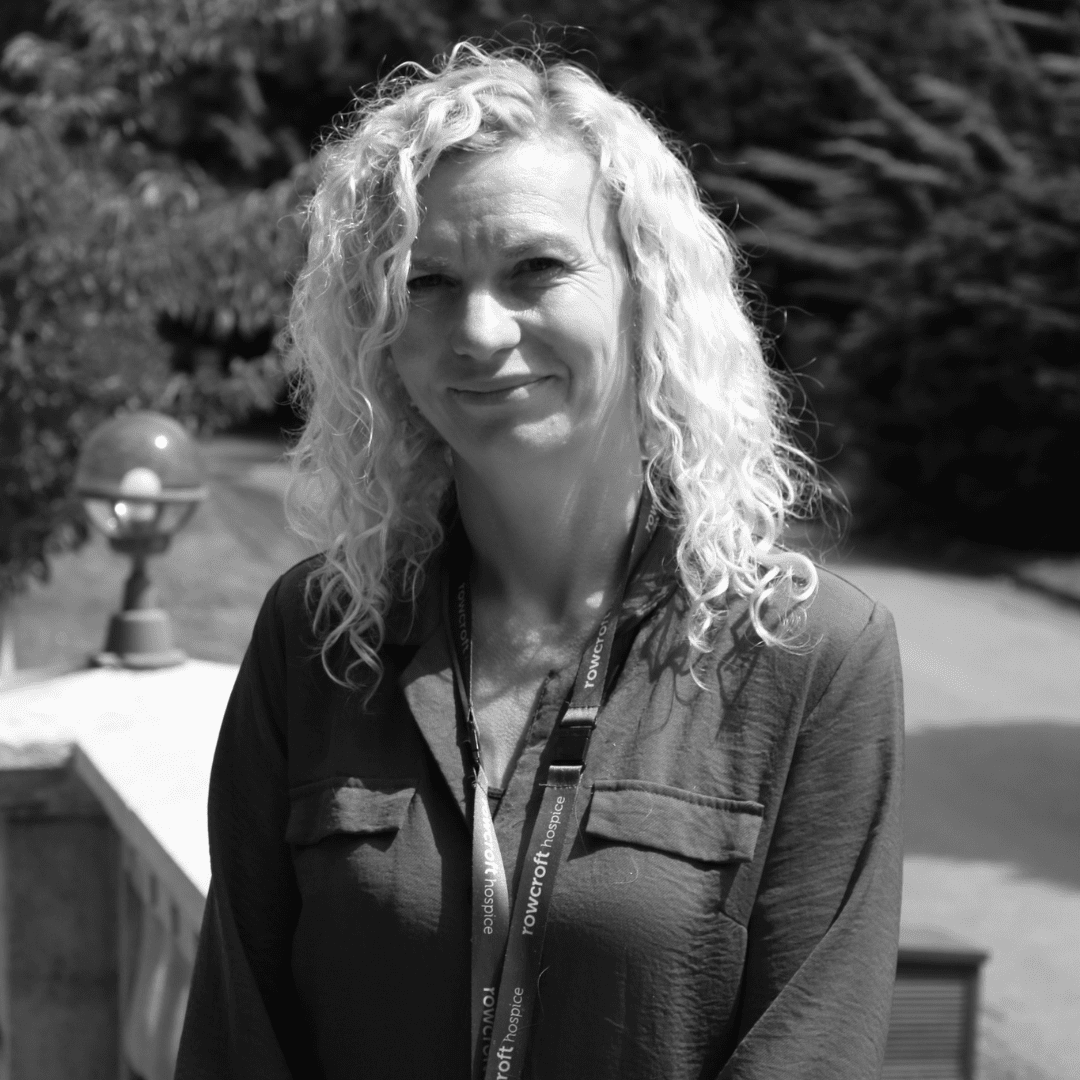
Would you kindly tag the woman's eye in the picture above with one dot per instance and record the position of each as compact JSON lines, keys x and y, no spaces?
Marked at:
{"x":539,"y":266}
{"x":426,"y":282}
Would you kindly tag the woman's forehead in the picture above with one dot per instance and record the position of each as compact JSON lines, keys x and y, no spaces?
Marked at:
{"x":538,"y":191}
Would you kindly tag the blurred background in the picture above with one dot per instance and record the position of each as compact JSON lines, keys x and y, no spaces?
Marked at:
{"x":904,"y":176}
{"x":904,"y":179}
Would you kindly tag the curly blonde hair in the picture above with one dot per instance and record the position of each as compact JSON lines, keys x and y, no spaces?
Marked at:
{"x":371,"y":474}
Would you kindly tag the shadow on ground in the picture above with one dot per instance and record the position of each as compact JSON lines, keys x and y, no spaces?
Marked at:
{"x":998,"y":792}
{"x":1055,"y":574}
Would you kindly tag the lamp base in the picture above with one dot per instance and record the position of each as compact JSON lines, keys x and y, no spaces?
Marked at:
{"x":141,"y":639}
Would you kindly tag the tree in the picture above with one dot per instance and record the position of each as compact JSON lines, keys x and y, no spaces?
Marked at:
{"x":128,"y":278}
{"x":153,"y":156}
{"x":902,"y":172}
{"x":929,"y":247}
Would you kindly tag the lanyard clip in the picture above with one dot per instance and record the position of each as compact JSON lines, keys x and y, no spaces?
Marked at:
{"x":472,"y":740}
{"x":572,"y":736}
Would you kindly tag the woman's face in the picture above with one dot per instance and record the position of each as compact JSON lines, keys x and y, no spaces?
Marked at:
{"x":518,"y":338}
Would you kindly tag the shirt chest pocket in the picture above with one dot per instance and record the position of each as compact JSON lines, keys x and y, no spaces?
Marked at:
{"x":358,"y":844}
{"x":656,"y":866}
{"x":685,"y":824}
{"x":347,"y":806}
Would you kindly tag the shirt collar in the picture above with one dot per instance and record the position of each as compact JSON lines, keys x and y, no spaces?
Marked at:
{"x":419,"y":652}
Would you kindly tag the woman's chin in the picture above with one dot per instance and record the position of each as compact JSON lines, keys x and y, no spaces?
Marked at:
{"x":515,"y":441}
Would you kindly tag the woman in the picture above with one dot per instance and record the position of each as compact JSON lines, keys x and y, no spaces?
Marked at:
{"x":545,"y":461}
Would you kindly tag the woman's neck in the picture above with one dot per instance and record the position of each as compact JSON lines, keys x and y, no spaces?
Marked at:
{"x":549,"y":540}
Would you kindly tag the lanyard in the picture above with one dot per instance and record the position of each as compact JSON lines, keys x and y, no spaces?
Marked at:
{"x":503,"y":1001}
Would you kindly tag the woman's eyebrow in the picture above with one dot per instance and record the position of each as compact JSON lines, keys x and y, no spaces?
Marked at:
{"x":427,"y":264}
{"x":548,"y":243}
{"x":543,"y":242}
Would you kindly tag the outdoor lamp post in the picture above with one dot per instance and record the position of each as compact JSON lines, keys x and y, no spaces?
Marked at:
{"x":140,"y":477}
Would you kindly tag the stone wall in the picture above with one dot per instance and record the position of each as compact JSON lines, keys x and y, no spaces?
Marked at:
{"x":59,"y":921}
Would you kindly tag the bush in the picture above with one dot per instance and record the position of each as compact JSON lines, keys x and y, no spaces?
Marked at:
{"x":928,"y":251}
{"x":904,"y":174}
{"x":127,"y":279}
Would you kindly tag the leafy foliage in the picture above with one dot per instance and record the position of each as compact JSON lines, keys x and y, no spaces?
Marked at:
{"x":929,"y":250}
{"x":903,"y":173}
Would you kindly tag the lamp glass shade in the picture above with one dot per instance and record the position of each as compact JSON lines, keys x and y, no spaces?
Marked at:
{"x":140,"y":475}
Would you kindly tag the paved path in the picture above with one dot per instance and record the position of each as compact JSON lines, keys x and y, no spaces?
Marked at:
{"x":978,"y":649}
{"x":992,"y":802}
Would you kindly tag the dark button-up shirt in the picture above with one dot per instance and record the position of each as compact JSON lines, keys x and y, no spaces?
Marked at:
{"x":727,"y":904}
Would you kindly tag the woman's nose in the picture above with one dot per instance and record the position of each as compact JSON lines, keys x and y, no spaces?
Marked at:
{"x":484,"y":326}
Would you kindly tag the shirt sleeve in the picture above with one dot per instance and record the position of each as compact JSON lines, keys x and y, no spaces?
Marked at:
{"x":822,"y":936}
{"x":243,"y":1016}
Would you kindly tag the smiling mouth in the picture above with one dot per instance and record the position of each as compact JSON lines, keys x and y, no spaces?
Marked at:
{"x":491,"y":393}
